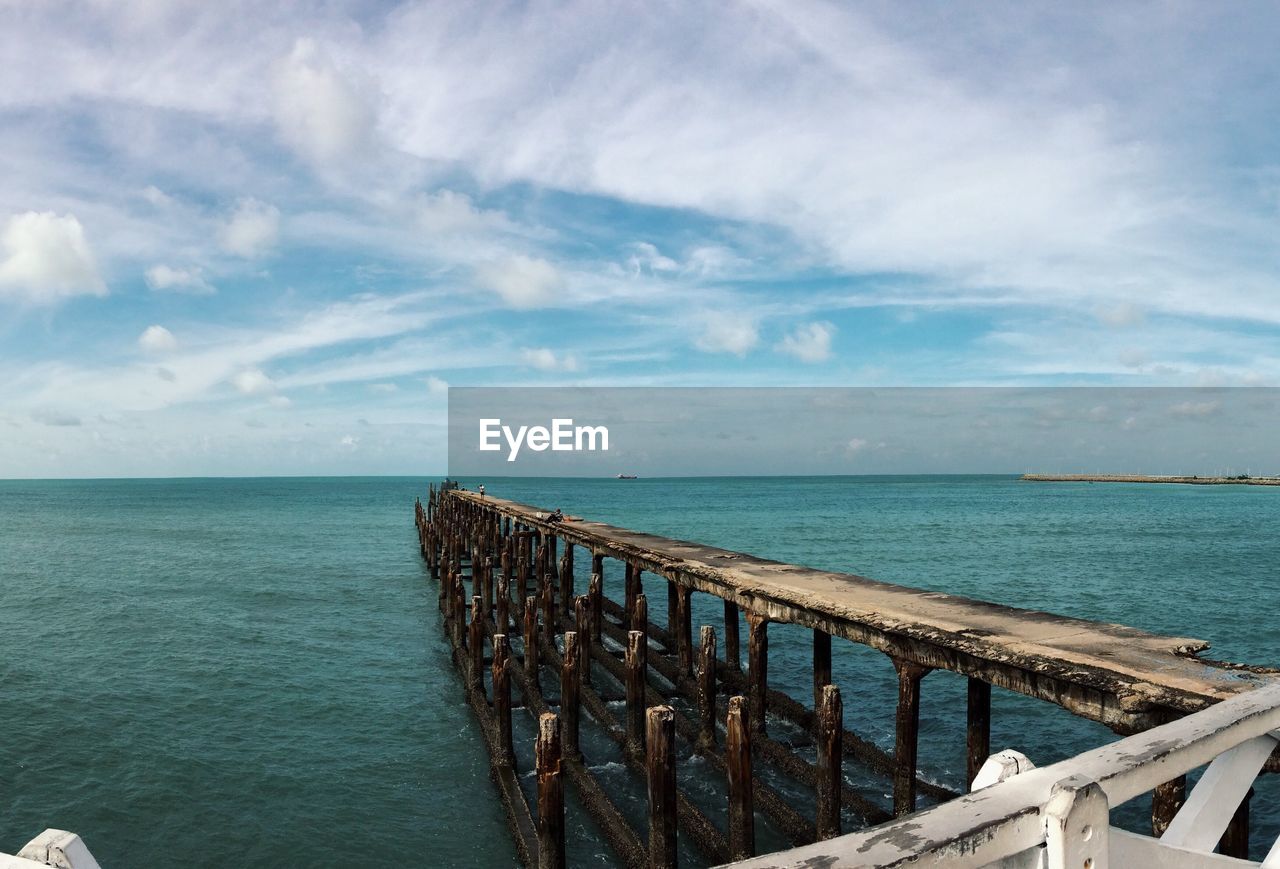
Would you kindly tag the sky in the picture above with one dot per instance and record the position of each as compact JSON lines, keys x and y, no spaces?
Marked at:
{"x":257,"y":239}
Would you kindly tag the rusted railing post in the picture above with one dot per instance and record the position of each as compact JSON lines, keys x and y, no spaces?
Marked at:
{"x":757,"y":668}
{"x":732,"y":653}
{"x":660,"y":738}
{"x":978,"y":735}
{"x":582,"y":623}
{"x":830,"y":737}
{"x":707,"y":690}
{"x":821,"y":664}
{"x":550,"y":794}
{"x":684,"y":630}
{"x":531,"y":653}
{"x":737,"y":760}
{"x":570,"y":690}
{"x":502,"y":699}
{"x":636,"y":661}
{"x":908,"y":734}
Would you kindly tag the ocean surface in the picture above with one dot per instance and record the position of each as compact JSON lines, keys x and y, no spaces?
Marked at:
{"x":251,"y":672}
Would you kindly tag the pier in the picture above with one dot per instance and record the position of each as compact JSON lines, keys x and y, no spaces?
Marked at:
{"x":1240,"y":480}
{"x":525,"y":634}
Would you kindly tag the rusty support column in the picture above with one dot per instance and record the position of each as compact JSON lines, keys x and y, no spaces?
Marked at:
{"x":978,"y":741}
{"x":1166,"y":799}
{"x":595,"y":593}
{"x":737,"y":760}
{"x":566,"y":579}
{"x":475,"y":643}
{"x":732,"y":653}
{"x":629,"y":584}
{"x":830,"y":738}
{"x":707,"y":690}
{"x":821,"y":665}
{"x":522,"y":577}
{"x":571,"y":691}
{"x":908,"y":733}
{"x":549,"y":616}
{"x":502,"y":699}
{"x":660,"y":739}
{"x":550,"y":794}
{"x":640,"y":614}
{"x":636,"y":660}
{"x":531,"y":641}
{"x":582,"y":623}
{"x":486,"y":584}
{"x":757,"y":668}
{"x":1235,"y":841}
{"x":502,"y":608}
{"x":684,"y":630}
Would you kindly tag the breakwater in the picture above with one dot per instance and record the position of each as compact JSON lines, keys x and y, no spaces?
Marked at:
{"x":497,"y":558}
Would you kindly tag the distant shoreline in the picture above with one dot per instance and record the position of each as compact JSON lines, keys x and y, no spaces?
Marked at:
{"x":1148,"y":478}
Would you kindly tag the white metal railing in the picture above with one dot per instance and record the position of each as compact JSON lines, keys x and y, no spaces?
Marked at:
{"x":1059,"y":816}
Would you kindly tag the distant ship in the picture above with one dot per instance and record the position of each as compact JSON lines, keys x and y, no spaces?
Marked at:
{"x":626,"y":476}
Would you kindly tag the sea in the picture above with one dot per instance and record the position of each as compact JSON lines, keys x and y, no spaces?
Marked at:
{"x":252,"y":672}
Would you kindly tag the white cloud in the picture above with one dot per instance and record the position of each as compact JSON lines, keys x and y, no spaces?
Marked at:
{"x":728,"y":333}
{"x":46,"y":258}
{"x":252,"y":229}
{"x":157,"y":339}
{"x":545,"y":359}
{"x":436,"y":386}
{"x":252,"y":381}
{"x":645,"y":256}
{"x":191,"y":281}
{"x":157,"y":197}
{"x":855,"y":445}
{"x":319,"y":111}
{"x":383,"y":388}
{"x":447,"y":212}
{"x":521,"y":281}
{"x":810,"y":342}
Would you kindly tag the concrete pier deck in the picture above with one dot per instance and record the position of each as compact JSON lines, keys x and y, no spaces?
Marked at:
{"x":1151,"y":478}
{"x":1126,"y":678}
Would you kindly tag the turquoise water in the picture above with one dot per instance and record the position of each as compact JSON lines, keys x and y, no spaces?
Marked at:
{"x":251,"y":672}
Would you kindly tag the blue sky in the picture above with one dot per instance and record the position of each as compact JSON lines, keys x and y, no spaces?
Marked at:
{"x":247,"y":240}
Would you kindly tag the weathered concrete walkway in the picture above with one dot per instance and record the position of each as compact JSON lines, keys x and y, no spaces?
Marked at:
{"x":1125,"y":678}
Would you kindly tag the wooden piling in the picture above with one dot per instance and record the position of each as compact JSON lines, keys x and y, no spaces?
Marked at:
{"x":757,"y":668}
{"x":707,"y":690}
{"x":637,"y":679}
{"x":582,"y":623}
{"x":978,"y":738}
{"x":531,"y":639}
{"x":821,"y":664}
{"x":570,"y":690}
{"x":737,"y":759}
{"x":549,"y":615}
{"x":907,"y":736}
{"x":830,"y":745}
{"x":502,"y":699}
{"x":732,"y":653}
{"x":550,"y":794}
{"x":660,"y":738}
